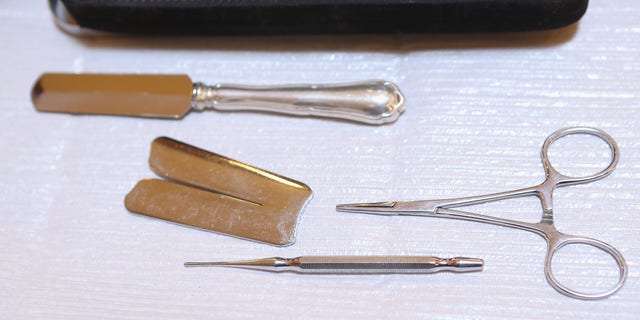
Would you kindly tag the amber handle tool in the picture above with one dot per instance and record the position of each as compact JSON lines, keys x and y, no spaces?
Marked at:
{"x":173,"y":96}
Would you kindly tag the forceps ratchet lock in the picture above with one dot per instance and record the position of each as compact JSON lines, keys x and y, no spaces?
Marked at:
{"x":545,"y":228}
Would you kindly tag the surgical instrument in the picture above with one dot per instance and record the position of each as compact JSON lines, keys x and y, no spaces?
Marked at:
{"x":212,"y":192}
{"x":545,"y":228}
{"x":173,"y":96}
{"x":353,"y":264}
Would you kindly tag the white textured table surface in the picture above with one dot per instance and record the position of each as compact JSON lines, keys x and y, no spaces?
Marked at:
{"x":479,"y":108}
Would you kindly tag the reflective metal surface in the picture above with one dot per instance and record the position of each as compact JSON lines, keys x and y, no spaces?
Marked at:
{"x":373,"y":102}
{"x":353,"y":264}
{"x":173,"y":96}
{"x":208,"y":191}
{"x":158,"y":96}
{"x":545,"y":228}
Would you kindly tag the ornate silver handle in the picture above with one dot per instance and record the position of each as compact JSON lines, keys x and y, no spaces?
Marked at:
{"x":372,"y":102}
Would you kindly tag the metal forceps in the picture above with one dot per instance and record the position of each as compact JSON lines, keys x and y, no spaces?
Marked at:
{"x":545,"y":228}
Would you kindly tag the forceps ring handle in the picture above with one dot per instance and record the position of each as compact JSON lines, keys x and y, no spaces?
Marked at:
{"x":559,"y":241}
{"x":555,"y":178}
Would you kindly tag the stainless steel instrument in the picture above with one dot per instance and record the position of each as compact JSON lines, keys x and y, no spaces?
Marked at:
{"x":545,"y":228}
{"x":353,"y":264}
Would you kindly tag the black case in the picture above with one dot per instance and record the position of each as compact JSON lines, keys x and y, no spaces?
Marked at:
{"x":322,"y":16}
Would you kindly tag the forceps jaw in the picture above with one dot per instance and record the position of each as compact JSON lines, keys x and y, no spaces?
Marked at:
{"x":379,"y":208}
{"x":392,"y":208}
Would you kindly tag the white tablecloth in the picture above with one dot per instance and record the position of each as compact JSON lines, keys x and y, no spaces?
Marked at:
{"x":478,"y":110}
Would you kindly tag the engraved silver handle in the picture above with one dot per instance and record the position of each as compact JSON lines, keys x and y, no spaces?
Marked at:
{"x":372,"y":102}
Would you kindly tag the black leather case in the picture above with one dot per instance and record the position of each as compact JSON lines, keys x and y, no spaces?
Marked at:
{"x":322,"y":16}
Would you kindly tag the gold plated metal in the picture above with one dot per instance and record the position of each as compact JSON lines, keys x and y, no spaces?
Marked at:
{"x":159,"y":96}
{"x":173,"y":96}
{"x":209,"y":191}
